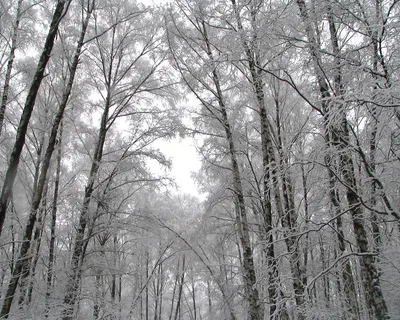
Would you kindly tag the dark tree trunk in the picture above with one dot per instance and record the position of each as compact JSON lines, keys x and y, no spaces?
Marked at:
{"x":271,"y":181}
{"x":26,"y":268}
{"x":337,"y":134}
{"x":37,"y":196}
{"x":249,"y":275}
{"x":181,"y":282}
{"x":7,"y":79}
{"x":37,"y":241}
{"x":23,"y":126}
{"x":54,"y":206}
{"x":194,"y":297}
{"x":147,"y":286}
{"x":174,"y":290}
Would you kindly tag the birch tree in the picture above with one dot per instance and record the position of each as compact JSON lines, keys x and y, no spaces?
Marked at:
{"x":337,"y":133}
{"x":128,"y":60}
{"x":219,"y":112}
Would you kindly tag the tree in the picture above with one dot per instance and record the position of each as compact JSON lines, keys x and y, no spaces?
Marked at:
{"x":128,"y":68}
{"x":337,"y":135}
{"x":11,"y":57}
{"x":293,"y":109}
{"x":22,"y":266}
{"x":219,"y":112}
{"x":59,"y":13}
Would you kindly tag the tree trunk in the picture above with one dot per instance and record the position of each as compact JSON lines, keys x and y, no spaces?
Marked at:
{"x":209,"y":299}
{"x":194,"y":298}
{"x":180,"y":290}
{"x":161,"y":292}
{"x":369,"y":272}
{"x":147,"y":286}
{"x":307,"y":222}
{"x":22,"y":128}
{"x":289,"y":215}
{"x":80,"y":241}
{"x":27,"y":266}
{"x":374,"y":131}
{"x":7,"y":79}
{"x":114,"y":284}
{"x":249,"y":276}
{"x":97,"y":299}
{"x":158,"y":293}
{"x":37,"y":196}
{"x":270,"y":169}
{"x":338,"y":135}
{"x":54,"y":206}
{"x":120,"y":295}
{"x":174,"y":290}
{"x":37,"y":240}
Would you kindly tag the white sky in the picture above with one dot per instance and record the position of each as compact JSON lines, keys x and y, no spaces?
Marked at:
{"x":185,"y":161}
{"x":182,"y":152}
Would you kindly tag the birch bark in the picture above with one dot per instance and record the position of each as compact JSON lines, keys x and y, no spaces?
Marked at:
{"x":337,"y":134}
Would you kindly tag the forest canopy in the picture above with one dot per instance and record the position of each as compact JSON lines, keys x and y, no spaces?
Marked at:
{"x":294,"y":109}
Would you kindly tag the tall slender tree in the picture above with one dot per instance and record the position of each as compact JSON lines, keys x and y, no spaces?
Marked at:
{"x":6,"y":191}
{"x":337,"y":134}
{"x":219,"y":112}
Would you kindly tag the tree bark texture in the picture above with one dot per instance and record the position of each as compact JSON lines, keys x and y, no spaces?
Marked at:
{"x":270,"y":167}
